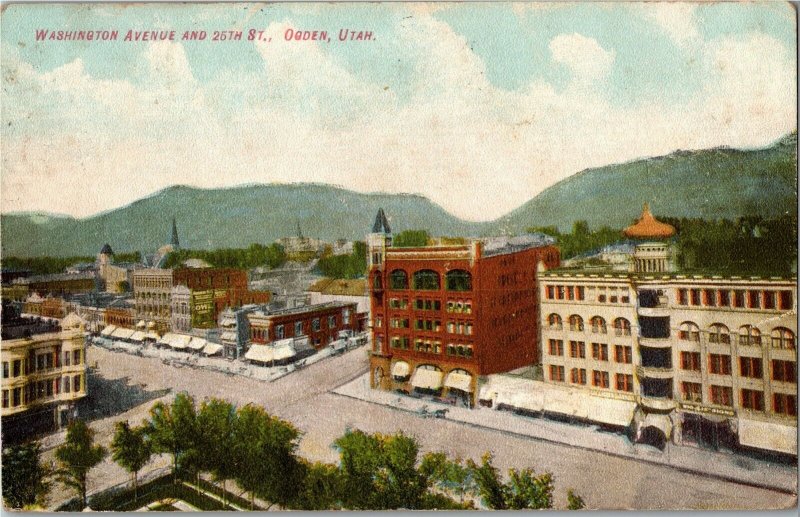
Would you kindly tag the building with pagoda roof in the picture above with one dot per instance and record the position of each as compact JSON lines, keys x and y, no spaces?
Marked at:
{"x":653,"y":254}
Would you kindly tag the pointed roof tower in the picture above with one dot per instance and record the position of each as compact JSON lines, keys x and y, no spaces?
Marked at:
{"x":174,"y":241}
{"x":648,"y":227}
{"x":381,"y":223}
{"x":106,"y":250}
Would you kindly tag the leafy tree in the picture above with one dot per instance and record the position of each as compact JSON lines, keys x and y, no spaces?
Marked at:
{"x":411,"y":239}
{"x":216,"y":421}
{"x":77,"y":456}
{"x":131,"y":449}
{"x":491,"y":489}
{"x":353,"y":265}
{"x":524,"y":490}
{"x":24,"y":476}
{"x":574,"y":501}
{"x":173,"y":430}
{"x":321,"y":488}
{"x":255,"y":255}
{"x":450,"y":476}
{"x":266,"y":465}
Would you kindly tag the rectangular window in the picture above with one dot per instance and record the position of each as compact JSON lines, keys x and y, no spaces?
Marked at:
{"x":40,"y":362}
{"x":623,"y":354}
{"x":298,"y":328}
{"x":721,"y":395}
{"x":76,"y":383}
{"x":769,"y":299}
{"x":785,"y":300}
{"x":692,"y":391}
{"x":76,"y":357}
{"x":579,"y":293}
{"x":724,"y":298}
{"x":709,"y":297}
{"x":753,"y":399}
{"x":577,"y":349}
{"x":556,"y":373}
{"x":279,"y":332}
{"x":17,"y":393}
{"x":753,"y":300}
{"x":5,"y":399}
{"x":556,"y":347}
{"x":719,"y":364}
{"x":738,"y":299}
{"x":6,"y":370}
{"x":67,"y":358}
{"x":550,"y":293}
{"x":683,"y":297}
{"x":600,"y":351}
{"x":782,"y":404}
{"x":690,"y":361}
{"x":750,"y":367}
{"x":578,"y":376}
{"x":570,"y":293}
{"x":599,"y":379}
{"x":695,"y":296}
{"x":315,"y":325}
{"x":624,"y":382}
{"x":331,"y":322}
{"x":784,"y":371}
{"x":67,"y":385}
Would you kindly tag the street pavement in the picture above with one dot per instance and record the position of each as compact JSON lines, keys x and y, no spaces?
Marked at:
{"x":306,"y":399}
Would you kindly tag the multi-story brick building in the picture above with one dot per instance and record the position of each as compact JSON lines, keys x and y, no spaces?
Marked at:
{"x":151,"y":290}
{"x":59,"y":284}
{"x":44,"y":371}
{"x":442,"y":316}
{"x":321,"y":323}
{"x":698,"y":359}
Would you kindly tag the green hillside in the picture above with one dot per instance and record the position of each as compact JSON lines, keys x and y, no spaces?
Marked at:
{"x":711,"y":184}
{"x":719,"y":183}
{"x":232,"y":217}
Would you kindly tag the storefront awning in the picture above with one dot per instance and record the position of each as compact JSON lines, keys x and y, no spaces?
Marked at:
{"x":197,"y":343}
{"x":610,"y":411}
{"x":427,"y":379}
{"x":137,"y":336}
{"x":179,"y":341}
{"x":141,"y":324}
{"x":283,"y":351}
{"x":459,"y":381}
{"x":121,"y":333}
{"x":531,"y":400}
{"x":166,"y":338}
{"x":108,"y":330}
{"x":400,"y":369}
{"x":228,"y":335}
{"x":768,"y":435}
{"x":260,"y":353}
{"x":212,"y":349}
{"x":660,"y":422}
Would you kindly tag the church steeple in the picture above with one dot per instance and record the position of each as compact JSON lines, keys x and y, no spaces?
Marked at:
{"x":174,"y":241}
{"x":381,"y":223}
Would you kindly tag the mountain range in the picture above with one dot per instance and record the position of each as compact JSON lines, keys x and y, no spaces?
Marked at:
{"x":712,"y":184}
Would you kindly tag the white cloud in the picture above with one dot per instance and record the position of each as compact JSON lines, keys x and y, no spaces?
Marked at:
{"x":678,"y":20}
{"x":586,"y":59}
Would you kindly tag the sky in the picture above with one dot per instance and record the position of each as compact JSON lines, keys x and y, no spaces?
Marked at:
{"x":478,"y":107}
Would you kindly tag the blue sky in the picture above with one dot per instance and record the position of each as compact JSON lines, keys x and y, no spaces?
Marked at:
{"x":455,"y":102}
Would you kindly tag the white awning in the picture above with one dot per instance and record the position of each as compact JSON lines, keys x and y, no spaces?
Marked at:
{"x":180,"y":341}
{"x":459,"y":381}
{"x":260,"y":353}
{"x":400,"y":369}
{"x":228,"y":335}
{"x":141,"y":324}
{"x":283,"y":351}
{"x":197,"y":343}
{"x":660,"y":422}
{"x":212,"y":349}
{"x":768,"y":435}
{"x":108,"y":330}
{"x":531,"y":400}
{"x":121,"y":333}
{"x":427,"y":379}
{"x":166,"y":339}
{"x":137,"y":336}
{"x":562,"y":402}
{"x":610,"y":411}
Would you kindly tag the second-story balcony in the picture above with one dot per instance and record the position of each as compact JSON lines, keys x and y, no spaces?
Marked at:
{"x":656,"y":403}
{"x":645,"y":372}
{"x":655,"y":342}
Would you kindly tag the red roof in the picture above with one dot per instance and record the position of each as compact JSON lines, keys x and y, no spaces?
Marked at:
{"x":648,"y":227}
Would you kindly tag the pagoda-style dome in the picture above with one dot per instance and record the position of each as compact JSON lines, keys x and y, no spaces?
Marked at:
{"x":648,"y":227}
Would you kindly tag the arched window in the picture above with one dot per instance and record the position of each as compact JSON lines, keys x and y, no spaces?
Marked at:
{"x":689,"y":332}
{"x":749,"y":336}
{"x":783,"y":338}
{"x":458,"y":280}
{"x":576,"y":323}
{"x":599,"y":325}
{"x":377,"y":281}
{"x":622,"y":327}
{"x":554,"y":321}
{"x":426,"y":280}
{"x":398,"y":279}
{"x":719,"y":333}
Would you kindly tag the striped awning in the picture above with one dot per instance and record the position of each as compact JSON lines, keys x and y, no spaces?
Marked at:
{"x":427,"y":379}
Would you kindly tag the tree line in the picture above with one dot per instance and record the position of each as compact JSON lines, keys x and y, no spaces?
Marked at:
{"x":256,"y":255}
{"x":258,"y":452}
{"x":52,"y":265}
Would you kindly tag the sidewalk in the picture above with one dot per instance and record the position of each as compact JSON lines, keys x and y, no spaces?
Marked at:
{"x":726,"y":466}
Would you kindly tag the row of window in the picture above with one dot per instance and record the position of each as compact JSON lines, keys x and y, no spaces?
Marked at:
{"x":738,"y":298}
{"x":748,"y":335}
{"x":578,"y":293}
{"x":40,"y":362}
{"x":577,"y":350}
{"x":420,"y":304}
{"x":431,"y":347}
{"x":162,"y":283}
{"x":427,"y":280}
{"x":782,"y":403}
{"x":34,"y":391}
{"x":750,"y":367}
{"x":260,"y":334}
{"x":600,"y":379}
{"x":621,"y":326}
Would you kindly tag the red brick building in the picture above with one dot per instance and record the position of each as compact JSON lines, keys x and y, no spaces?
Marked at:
{"x":444,"y":315}
{"x":211,"y":278}
{"x":320,"y":323}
